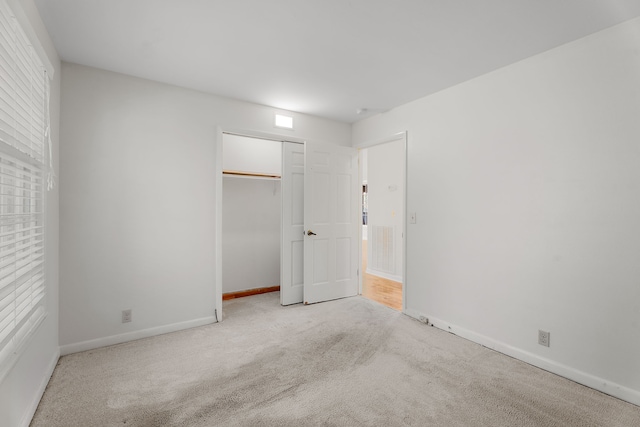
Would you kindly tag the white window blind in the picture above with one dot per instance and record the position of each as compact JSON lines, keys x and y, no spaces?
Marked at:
{"x":23,"y":94}
{"x":22,"y":90}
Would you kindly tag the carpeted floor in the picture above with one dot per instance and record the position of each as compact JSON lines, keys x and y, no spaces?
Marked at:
{"x":350,"y":362}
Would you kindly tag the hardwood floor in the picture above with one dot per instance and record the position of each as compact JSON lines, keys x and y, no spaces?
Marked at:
{"x":382,"y":290}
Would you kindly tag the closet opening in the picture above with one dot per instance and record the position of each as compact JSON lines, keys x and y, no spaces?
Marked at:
{"x":251,"y":215}
{"x":269,"y":191}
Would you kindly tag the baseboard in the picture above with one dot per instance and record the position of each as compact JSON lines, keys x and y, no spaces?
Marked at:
{"x":28,"y":416}
{"x":387,"y":276}
{"x":591,"y":381}
{"x":249,"y":292}
{"x":135,"y":335}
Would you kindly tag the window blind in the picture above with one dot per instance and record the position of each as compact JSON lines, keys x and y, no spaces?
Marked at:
{"x":22,"y":89}
{"x":22,"y":150}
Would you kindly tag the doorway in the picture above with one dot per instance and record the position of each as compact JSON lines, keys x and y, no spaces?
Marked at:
{"x":382,"y":171}
{"x":251,"y":199}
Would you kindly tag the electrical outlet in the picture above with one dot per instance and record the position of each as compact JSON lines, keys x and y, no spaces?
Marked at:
{"x":126,"y":316}
{"x":544,"y":338}
{"x":412,"y":218}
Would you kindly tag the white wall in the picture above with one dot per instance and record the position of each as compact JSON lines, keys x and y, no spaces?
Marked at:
{"x":385,"y":180}
{"x":250,"y":233}
{"x":138,"y":201}
{"x":21,"y":389}
{"x":526,"y":185}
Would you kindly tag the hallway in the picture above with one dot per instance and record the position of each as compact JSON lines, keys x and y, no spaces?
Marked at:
{"x":378,"y":289}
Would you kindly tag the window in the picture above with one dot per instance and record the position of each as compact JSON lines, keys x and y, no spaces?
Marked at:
{"x":23,"y":124}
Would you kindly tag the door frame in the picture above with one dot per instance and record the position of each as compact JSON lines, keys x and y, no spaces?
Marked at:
{"x":403,"y":136}
{"x":287,"y":202}
{"x":220,"y":131}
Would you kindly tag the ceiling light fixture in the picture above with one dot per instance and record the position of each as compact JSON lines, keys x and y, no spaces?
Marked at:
{"x":285,"y":122}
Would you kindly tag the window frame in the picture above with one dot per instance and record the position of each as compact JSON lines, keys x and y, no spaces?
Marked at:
{"x":23,"y":173}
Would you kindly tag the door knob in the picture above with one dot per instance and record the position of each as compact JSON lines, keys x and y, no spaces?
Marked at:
{"x":310,"y":233}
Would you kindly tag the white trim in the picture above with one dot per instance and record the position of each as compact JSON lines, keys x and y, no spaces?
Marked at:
{"x":263,"y":135}
{"x":414,"y":314}
{"x":135,"y":335}
{"x":384,"y":275}
{"x":405,"y":204}
{"x":39,"y":392}
{"x":217,"y":286}
{"x":584,"y":378}
{"x":395,"y":137}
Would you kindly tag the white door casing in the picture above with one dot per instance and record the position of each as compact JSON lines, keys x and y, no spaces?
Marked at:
{"x":292,"y":234}
{"x":331,"y":219}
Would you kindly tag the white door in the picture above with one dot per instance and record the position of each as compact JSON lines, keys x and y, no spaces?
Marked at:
{"x":292,"y":246}
{"x":331,"y":219}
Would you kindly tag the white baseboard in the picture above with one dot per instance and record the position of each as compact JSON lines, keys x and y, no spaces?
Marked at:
{"x":135,"y":335}
{"x":388,"y":276}
{"x":28,"y":416}
{"x":584,"y":378}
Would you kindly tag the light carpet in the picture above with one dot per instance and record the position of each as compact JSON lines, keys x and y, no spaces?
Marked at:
{"x":350,"y":362}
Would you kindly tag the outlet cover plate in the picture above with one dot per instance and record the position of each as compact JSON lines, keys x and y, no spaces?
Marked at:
{"x":126,"y":316}
{"x":544,"y":338}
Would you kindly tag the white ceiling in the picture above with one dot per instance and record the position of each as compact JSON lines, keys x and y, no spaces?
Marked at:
{"x":322,"y":57}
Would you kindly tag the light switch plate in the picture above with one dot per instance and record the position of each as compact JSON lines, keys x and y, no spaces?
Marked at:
{"x":412,"y":218}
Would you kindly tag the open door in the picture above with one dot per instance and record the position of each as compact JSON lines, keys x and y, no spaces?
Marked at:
{"x":331,"y":220}
{"x":292,"y":246}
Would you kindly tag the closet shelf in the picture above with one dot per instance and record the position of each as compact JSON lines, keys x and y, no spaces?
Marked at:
{"x":250,"y":174}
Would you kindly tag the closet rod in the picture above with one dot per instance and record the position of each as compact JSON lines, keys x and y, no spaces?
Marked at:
{"x":256,"y":174}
